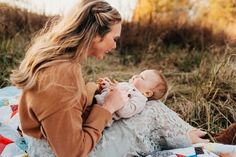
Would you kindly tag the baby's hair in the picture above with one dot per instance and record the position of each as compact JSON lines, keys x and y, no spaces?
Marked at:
{"x":160,"y":89}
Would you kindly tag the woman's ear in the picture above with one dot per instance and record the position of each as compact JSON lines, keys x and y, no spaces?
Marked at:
{"x":148,"y":93}
{"x":97,"y":39}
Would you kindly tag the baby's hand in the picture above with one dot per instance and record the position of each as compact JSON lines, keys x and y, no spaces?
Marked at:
{"x":195,"y":136}
{"x":103,"y":83}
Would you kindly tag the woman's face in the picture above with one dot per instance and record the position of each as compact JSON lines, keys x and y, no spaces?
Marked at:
{"x":102,"y":45}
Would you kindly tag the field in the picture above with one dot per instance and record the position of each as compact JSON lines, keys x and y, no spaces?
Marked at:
{"x":198,"y":62}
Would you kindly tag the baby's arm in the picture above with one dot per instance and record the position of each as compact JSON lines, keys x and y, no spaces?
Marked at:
{"x":135,"y":104}
{"x":130,"y":109}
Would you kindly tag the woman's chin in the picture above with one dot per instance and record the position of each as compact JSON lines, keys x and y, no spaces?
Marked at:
{"x":100,"y":57}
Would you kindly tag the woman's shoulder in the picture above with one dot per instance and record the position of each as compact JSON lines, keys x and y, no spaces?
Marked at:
{"x":65,"y":68}
{"x":64,"y":73}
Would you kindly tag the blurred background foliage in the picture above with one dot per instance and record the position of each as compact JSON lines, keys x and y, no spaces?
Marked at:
{"x":191,"y":41}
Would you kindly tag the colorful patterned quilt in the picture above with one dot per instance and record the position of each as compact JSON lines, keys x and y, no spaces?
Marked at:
{"x":12,"y":144}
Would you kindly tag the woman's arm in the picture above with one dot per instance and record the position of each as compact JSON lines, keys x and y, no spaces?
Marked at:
{"x":68,"y":134}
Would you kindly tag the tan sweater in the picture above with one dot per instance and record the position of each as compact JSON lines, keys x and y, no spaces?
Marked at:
{"x":54,"y":108}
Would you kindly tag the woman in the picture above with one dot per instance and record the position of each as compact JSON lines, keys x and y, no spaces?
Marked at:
{"x":53,"y":106}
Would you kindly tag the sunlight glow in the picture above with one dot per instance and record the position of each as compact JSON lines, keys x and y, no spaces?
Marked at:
{"x":52,"y":7}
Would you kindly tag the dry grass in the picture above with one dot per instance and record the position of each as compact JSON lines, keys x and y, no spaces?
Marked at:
{"x":206,"y":97}
{"x":16,"y":28}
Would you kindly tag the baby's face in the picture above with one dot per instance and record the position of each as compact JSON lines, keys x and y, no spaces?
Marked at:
{"x":145,"y":81}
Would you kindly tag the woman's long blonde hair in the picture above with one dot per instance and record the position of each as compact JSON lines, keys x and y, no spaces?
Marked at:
{"x":68,"y":38}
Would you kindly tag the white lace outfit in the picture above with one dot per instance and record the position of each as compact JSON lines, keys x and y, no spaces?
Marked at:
{"x":156,"y":128}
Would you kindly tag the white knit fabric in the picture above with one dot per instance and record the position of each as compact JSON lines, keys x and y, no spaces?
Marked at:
{"x":135,"y":104}
{"x":154,"y":129}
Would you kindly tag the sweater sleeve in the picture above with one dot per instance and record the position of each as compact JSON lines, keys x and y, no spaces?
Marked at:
{"x":67,"y":134}
{"x":62,"y":105}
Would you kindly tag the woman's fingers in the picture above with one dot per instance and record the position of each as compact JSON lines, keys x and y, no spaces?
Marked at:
{"x":200,"y":133}
{"x":115,"y":99}
{"x":196,"y":134}
{"x":227,"y":154}
{"x":200,"y":140}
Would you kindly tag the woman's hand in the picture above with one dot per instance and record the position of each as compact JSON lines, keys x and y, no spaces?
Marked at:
{"x":227,"y":154}
{"x":115,"y":99}
{"x":195,"y":136}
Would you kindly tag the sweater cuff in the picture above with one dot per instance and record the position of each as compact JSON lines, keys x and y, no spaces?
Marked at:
{"x":91,"y":88}
{"x":98,"y":118}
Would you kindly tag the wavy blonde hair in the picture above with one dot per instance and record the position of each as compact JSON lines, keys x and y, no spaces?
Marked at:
{"x":68,"y":38}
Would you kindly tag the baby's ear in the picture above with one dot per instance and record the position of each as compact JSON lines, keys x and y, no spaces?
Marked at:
{"x":148,"y":93}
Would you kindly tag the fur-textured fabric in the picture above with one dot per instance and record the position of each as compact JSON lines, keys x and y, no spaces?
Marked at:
{"x":227,"y":136}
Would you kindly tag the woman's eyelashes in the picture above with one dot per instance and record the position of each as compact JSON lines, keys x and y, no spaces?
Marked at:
{"x":116,"y":39}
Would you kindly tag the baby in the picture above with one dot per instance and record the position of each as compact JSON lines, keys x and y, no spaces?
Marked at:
{"x":148,"y":85}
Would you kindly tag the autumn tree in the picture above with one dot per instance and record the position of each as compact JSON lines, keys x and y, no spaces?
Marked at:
{"x":149,"y":10}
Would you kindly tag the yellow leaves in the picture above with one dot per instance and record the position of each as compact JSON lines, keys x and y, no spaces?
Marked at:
{"x":143,"y":9}
{"x":148,"y":9}
{"x":222,"y":10}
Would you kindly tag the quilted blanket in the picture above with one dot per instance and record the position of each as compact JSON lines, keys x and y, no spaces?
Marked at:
{"x":12,"y":144}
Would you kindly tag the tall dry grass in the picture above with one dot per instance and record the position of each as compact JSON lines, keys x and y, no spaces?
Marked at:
{"x":17,"y":26}
{"x":206,"y":97}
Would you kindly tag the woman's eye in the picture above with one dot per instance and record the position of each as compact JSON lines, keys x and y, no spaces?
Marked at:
{"x":116,"y":39}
